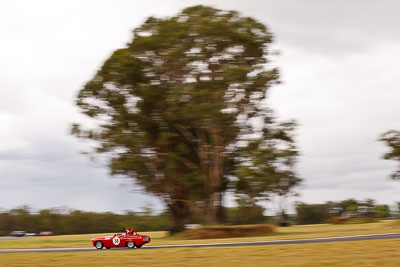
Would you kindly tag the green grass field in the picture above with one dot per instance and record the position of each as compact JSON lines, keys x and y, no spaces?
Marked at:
{"x":354,"y":253}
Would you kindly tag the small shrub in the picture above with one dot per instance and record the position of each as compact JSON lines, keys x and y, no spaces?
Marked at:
{"x":336,"y":220}
{"x":211,"y":232}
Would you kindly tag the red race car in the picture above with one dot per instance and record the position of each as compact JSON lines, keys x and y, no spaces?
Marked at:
{"x":130,"y":239}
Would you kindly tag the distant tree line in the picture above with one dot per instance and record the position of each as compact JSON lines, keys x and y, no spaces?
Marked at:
{"x":61,"y":221}
{"x":64,"y":221}
{"x":341,"y":211}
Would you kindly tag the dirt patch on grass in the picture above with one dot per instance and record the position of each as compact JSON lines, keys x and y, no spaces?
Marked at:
{"x":210,"y":232}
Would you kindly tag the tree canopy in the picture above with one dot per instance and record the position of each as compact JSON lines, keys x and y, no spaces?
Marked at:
{"x":176,"y":107}
{"x":392,"y":140}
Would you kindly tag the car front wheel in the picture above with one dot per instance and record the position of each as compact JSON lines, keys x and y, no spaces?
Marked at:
{"x":130,"y":244}
{"x":99,"y":245}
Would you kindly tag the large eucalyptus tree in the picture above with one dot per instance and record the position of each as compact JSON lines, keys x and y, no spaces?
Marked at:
{"x":174,"y":103}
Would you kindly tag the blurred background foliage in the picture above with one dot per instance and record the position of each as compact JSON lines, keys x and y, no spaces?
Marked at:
{"x":348,"y":210}
{"x":392,"y":140}
{"x":62,"y":221}
{"x":182,"y":110}
{"x":65,"y":221}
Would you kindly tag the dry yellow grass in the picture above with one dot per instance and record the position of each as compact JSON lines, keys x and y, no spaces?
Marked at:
{"x":355,"y":253}
{"x":63,"y":241}
{"x":160,"y":238}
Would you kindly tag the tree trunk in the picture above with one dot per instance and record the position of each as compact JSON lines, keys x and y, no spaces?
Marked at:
{"x":179,"y":205}
{"x":211,"y":209}
{"x":221,"y":214}
{"x":211,"y":159}
{"x":181,"y":214}
{"x":214,"y":201}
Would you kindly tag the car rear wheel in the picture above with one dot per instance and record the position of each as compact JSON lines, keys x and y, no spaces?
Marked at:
{"x":139,"y":246}
{"x":130,"y":244}
{"x":99,"y":245}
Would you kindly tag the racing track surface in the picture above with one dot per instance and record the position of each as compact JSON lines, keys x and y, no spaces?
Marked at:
{"x":257,"y":243}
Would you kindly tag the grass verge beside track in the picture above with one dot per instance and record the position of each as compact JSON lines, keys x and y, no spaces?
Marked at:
{"x":355,"y":253}
{"x":161,"y":238}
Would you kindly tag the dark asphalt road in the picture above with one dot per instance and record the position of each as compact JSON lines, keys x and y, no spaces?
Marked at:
{"x":258,"y":243}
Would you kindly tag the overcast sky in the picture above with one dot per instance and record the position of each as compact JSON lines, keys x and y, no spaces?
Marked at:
{"x":340,"y":63}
